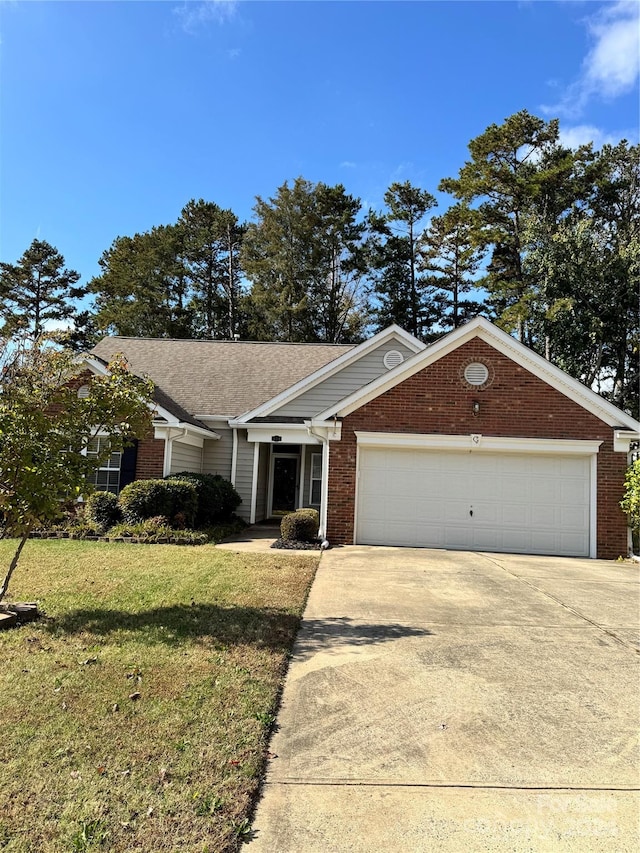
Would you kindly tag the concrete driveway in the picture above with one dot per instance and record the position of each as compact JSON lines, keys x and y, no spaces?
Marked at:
{"x":456,"y":701}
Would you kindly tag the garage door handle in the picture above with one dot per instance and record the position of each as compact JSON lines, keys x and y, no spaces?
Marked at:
{"x":471,"y":512}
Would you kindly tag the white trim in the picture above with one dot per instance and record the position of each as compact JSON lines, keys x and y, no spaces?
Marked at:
{"x":324,"y":490}
{"x":168,"y":448}
{"x":508,"y":346}
{"x":234,"y":455}
{"x":593,"y":507}
{"x":332,"y":367}
{"x":622,"y":438}
{"x":290,"y":434}
{"x":313,"y":479}
{"x":254,"y":483}
{"x":478,"y":443}
{"x":272,"y":462}
{"x":302,"y":466}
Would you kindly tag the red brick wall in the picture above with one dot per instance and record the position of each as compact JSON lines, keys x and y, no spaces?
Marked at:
{"x":514,"y":403}
{"x":150,"y":459}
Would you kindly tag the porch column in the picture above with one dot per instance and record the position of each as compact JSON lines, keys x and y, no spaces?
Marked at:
{"x":254,"y":482}
{"x":324,"y":491}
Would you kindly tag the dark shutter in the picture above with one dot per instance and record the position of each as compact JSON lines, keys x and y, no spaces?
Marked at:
{"x":128,"y":465}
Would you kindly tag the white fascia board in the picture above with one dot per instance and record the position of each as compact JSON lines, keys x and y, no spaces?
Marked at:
{"x":508,"y":346}
{"x":289,"y":433}
{"x":479,"y":443}
{"x":622,"y":439}
{"x":333,"y":367}
{"x":193,"y":434}
{"x":93,"y":364}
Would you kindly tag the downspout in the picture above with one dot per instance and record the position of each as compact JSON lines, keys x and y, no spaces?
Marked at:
{"x":324,"y":492}
{"x":168,"y":444}
{"x":234,"y":456}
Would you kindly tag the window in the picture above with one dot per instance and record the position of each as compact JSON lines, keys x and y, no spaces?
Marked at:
{"x":107,"y":476}
{"x":315,"y":479}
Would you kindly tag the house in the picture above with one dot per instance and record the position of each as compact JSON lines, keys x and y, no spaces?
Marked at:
{"x":474,"y":442}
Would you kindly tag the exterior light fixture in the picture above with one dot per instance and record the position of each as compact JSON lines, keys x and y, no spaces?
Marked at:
{"x":476,"y":408}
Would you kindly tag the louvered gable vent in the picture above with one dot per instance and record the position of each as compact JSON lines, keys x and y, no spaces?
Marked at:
{"x":476,"y":373}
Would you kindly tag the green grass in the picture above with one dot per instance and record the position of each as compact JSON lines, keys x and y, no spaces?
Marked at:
{"x":202,"y":635}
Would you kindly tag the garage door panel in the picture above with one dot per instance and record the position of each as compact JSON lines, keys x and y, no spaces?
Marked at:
{"x":521,"y":503}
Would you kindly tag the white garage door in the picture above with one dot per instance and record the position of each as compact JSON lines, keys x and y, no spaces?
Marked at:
{"x":531,"y":504}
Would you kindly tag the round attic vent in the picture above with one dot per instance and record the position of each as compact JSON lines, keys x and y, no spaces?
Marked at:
{"x":83,"y":392}
{"x":476,"y":373}
{"x":392,"y":359}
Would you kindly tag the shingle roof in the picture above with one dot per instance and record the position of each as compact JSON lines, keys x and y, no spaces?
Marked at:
{"x":219,"y":377}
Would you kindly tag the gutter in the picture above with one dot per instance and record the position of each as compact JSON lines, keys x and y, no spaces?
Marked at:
{"x":168,"y":445}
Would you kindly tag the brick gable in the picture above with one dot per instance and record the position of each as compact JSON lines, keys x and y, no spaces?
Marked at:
{"x":514,"y":402}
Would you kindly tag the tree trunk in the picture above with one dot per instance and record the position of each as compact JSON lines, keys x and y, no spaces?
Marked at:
{"x":12,"y":566}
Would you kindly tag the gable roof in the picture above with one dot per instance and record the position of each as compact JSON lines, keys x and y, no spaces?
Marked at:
{"x":481,"y":328}
{"x":223,"y":378}
{"x":391,"y":333}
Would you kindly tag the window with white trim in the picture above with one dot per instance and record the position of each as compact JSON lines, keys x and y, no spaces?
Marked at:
{"x":315,"y":479}
{"x":107,"y":477}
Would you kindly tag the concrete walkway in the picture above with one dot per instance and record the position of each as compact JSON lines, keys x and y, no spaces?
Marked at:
{"x":453,"y":701}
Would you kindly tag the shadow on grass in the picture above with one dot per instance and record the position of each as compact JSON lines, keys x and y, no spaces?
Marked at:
{"x":179,"y":623}
{"x":263,"y":627}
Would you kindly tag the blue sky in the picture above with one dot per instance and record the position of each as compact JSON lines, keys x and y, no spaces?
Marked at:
{"x":115,"y":114}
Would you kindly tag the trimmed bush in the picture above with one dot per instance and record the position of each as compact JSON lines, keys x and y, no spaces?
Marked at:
{"x":311,"y":512}
{"x":299,"y":526}
{"x":144,"y":499}
{"x":102,"y":511}
{"x":217,"y":499}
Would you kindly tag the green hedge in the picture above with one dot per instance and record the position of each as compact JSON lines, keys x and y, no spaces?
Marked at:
{"x":300,"y":526}
{"x":217,"y":499}
{"x":102,"y":510}
{"x":144,"y":499}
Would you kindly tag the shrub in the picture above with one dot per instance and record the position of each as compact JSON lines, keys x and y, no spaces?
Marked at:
{"x":299,"y":526}
{"x":311,"y":512}
{"x":217,"y":499}
{"x":102,"y":510}
{"x":156,"y":530}
{"x":144,"y":499}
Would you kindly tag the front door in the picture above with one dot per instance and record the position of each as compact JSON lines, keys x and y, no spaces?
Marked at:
{"x":285,"y":483}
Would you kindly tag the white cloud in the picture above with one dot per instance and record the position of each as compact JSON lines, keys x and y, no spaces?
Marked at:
{"x":583,"y":134}
{"x":234,"y":53}
{"x":195,"y":14}
{"x":348,"y":164}
{"x":612,"y":66}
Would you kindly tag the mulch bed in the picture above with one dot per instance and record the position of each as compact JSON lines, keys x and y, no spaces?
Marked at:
{"x":289,"y":545}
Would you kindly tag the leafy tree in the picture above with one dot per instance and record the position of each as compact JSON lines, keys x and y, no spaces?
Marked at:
{"x":37,"y":290}
{"x":504,"y":176}
{"x":143,"y":289}
{"x":45,"y":428}
{"x":631,"y":501}
{"x":211,"y":250}
{"x":303,"y":258}
{"x":450,"y":253}
{"x":394,"y":250}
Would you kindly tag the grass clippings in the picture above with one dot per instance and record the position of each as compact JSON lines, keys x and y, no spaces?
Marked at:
{"x":136,"y":713}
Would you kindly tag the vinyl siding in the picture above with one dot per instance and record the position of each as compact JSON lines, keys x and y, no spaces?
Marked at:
{"x":218,"y":453}
{"x":184,"y":457}
{"x":343,"y":383}
{"x":244,"y":475}
{"x":263,"y":482}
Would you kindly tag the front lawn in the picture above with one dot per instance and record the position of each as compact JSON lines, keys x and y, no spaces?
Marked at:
{"x":135,"y":717}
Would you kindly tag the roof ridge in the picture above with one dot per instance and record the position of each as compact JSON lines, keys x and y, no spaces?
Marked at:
{"x":225,"y":341}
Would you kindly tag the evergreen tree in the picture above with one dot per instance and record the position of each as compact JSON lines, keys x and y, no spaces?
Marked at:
{"x":394,"y":251}
{"x":504,"y":175}
{"x":37,"y":291}
{"x":212,"y":238}
{"x":302,"y":256}
{"x":450,"y":253}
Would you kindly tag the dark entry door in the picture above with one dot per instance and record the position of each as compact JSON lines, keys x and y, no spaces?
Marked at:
{"x":285,"y":480}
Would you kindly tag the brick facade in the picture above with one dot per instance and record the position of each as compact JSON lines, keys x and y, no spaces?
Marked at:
{"x":514,"y":402}
{"x":150,"y":459}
